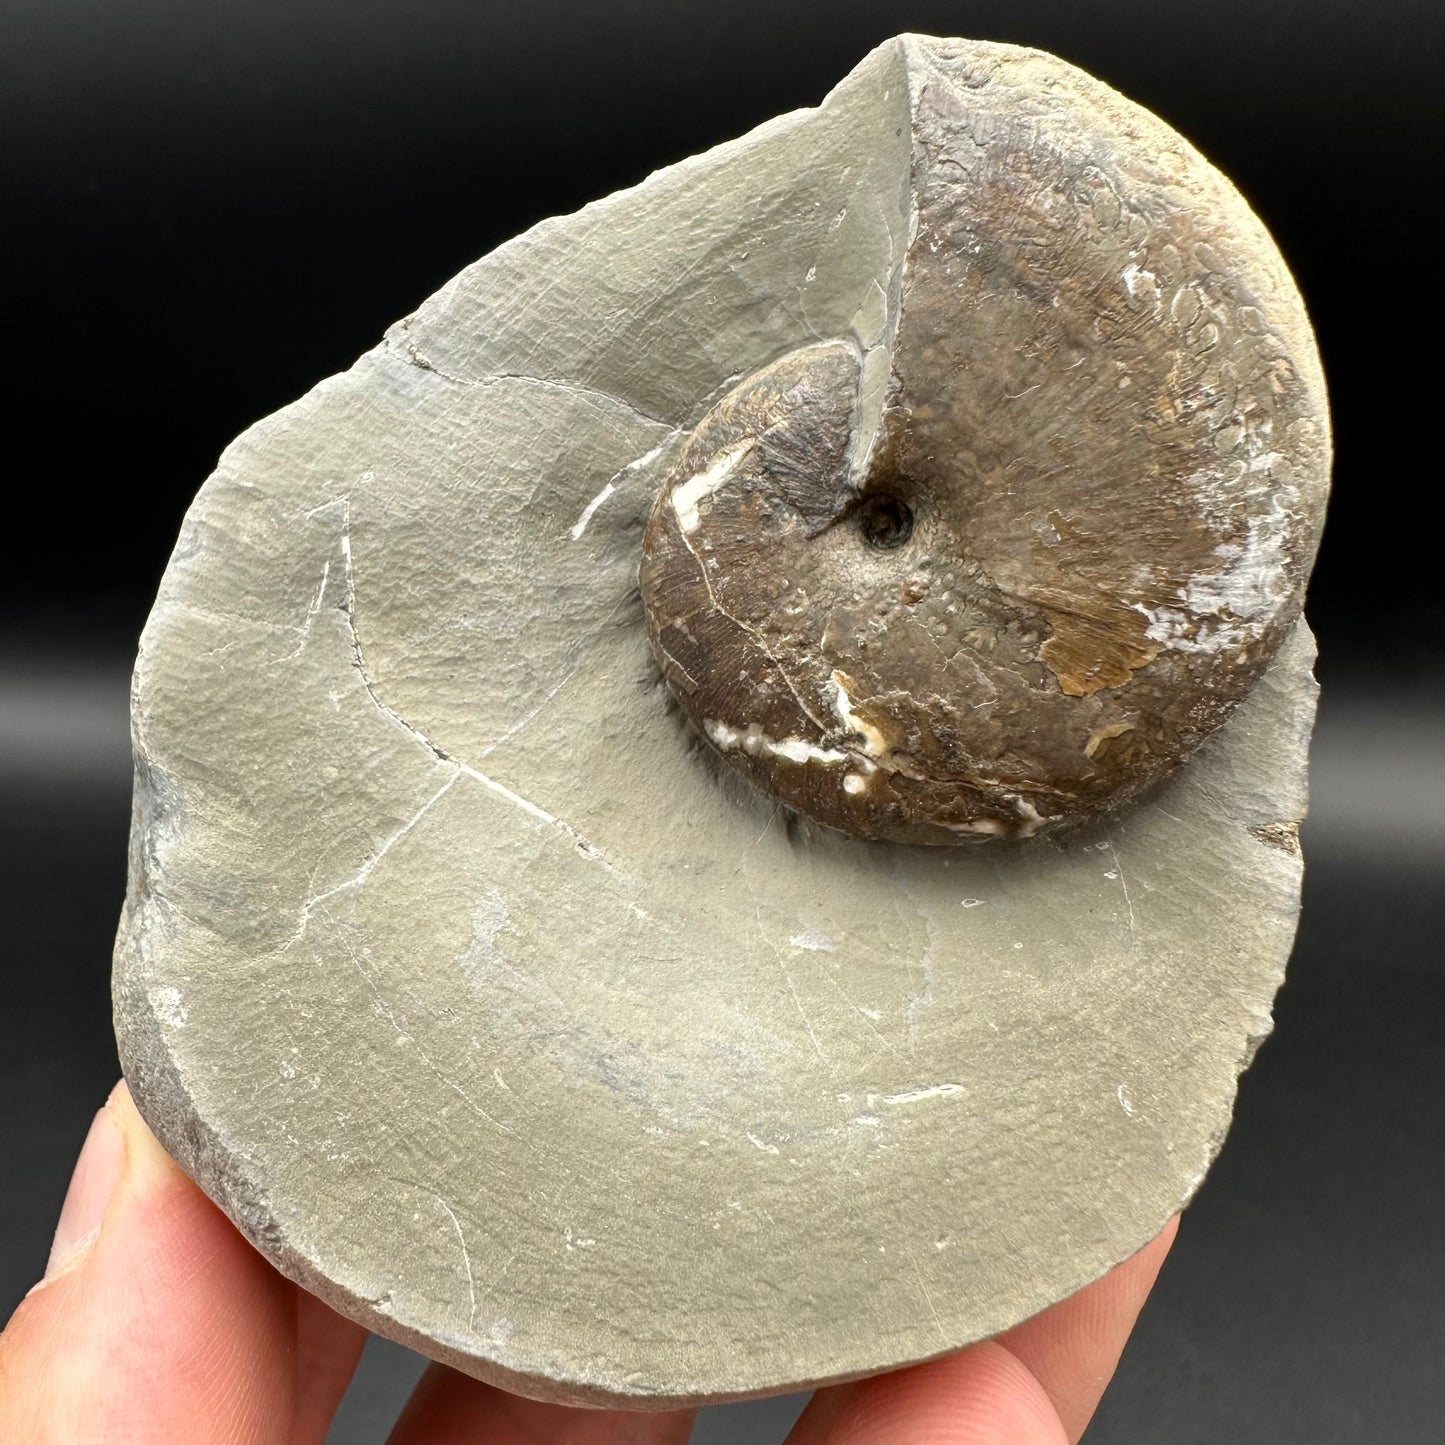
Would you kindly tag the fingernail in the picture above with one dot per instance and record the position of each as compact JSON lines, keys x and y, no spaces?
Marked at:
{"x":102,"y":1157}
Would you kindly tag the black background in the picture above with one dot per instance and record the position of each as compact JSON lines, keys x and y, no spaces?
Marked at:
{"x":209,"y":206}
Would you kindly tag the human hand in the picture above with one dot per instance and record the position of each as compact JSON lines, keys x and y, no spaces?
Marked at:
{"x":157,"y":1324}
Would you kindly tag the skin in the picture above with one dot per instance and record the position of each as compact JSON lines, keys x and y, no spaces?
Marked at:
{"x":156,"y":1322}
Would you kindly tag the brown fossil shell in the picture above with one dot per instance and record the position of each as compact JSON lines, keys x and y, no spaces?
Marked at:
{"x":1072,"y":537}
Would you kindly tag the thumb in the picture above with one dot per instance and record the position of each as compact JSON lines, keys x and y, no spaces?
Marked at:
{"x":155,"y":1320}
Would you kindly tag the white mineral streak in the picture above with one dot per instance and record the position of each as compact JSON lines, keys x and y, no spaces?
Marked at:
{"x":1252,"y":581}
{"x":814,"y":941}
{"x":1033,"y":820}
{"x":754,"y":741}
{"x":590,"y":510}
{"x":1230,"y":607}
{"x":991,"y":826}
{"x":687,"y":495}
{"x":917,"y":1096}
{"x":873,"y":739}
{"x":166,"y":1001}
{"x":1137,"y":279}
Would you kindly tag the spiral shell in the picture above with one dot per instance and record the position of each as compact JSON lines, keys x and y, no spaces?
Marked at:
{"x":1028,"y":579}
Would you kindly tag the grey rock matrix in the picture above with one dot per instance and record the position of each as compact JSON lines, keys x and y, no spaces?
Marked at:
{"x":493,"y":1007}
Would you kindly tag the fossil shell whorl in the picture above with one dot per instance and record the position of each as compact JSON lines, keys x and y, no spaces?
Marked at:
{"x":1079,"y":529}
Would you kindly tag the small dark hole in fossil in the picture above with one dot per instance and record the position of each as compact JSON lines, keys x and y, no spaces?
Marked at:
{"x":886,"y":522}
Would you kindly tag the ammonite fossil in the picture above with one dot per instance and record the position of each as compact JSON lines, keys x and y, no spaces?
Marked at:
{"x":1014,"y":586}
{"x":967,"y":437}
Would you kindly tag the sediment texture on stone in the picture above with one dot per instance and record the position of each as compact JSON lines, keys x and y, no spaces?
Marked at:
{"x":495,"y":1010}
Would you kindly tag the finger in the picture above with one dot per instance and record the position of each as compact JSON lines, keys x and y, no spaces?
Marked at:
{"x":448,"y":1408}
{"x":981,"y":1396}
{"x":1038,"y":1384}
{"x":156,"y":1321}
{"x":327,"y":1349}
{"x":1073,"y":1348}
